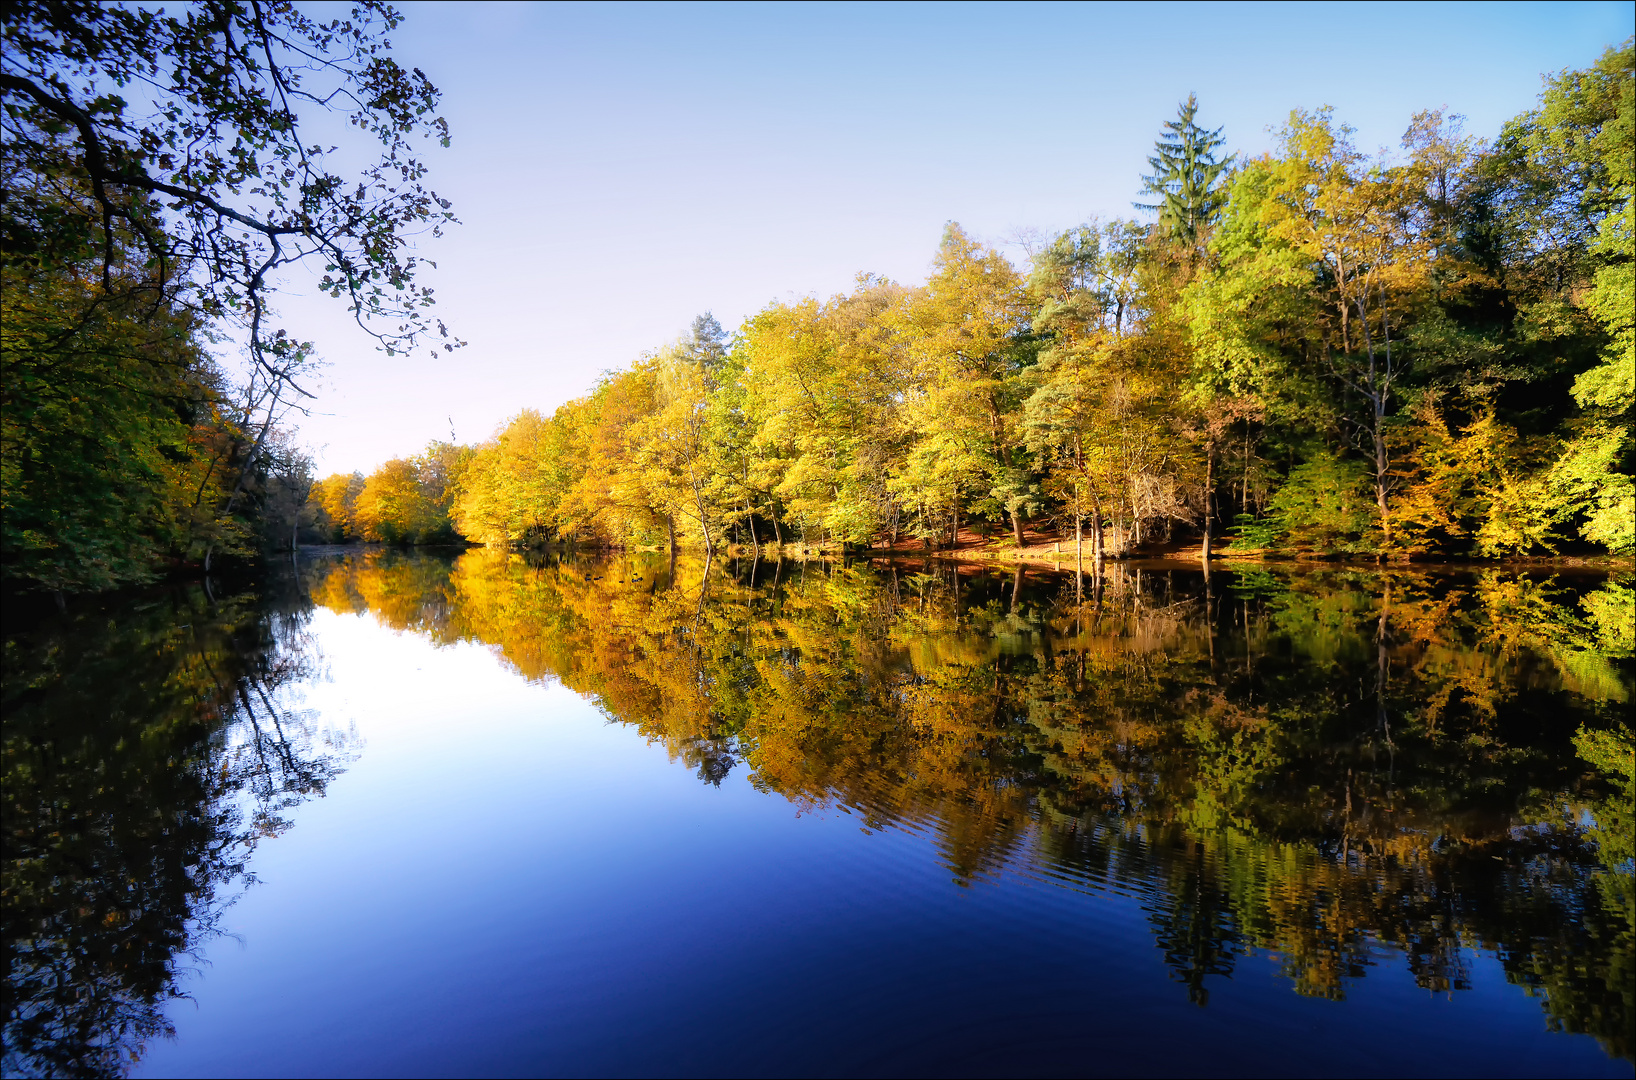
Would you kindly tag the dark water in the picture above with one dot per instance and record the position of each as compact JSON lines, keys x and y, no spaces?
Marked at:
{"x":407,"y":815}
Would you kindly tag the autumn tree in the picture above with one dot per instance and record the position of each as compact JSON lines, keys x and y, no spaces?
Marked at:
{"x":823,"y":390}
{"x":1367,"y":227}
{"x":334,"y":505}
{"x":961,"y":337}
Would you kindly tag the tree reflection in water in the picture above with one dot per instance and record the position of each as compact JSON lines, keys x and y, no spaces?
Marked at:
{"x":1315,"y":764}
{"x":1321,"y":765}
{"x":149,"y":745}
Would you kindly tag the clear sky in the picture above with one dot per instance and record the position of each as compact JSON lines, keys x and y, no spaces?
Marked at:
{"x":620,"y":169}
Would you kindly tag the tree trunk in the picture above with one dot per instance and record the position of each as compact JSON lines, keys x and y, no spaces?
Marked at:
{"x":704,"y":527}
{"x":778,"y":533}
{"x":1209,"y":615}
{"x":1382,"y":463}
{"x":1079,"y":549}
{"x":1017,"y":527}
{"x":670,"y":528}
{"x":750,"y":521}
{"x":1209,"y":480}
{"x":1096,"y":533}
{"x":1244,"y":498}
{"x":1383,"y":663}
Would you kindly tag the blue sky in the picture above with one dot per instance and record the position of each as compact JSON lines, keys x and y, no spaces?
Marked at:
{"x":619,"y":169}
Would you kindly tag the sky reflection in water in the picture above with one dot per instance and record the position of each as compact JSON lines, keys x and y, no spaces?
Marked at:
{"x":609,"y":818}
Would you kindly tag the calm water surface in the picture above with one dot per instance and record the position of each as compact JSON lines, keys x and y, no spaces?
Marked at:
{"x":487,"y":815}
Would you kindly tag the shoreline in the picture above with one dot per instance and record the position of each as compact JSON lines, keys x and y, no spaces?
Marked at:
{"x":1045,"y":557}
{"x":1065,"y":563}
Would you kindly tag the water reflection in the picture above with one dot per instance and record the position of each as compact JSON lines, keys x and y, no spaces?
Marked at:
{"x":1320,"y":765}
{"x":150,"y":743}
{"x":1329,"y":768}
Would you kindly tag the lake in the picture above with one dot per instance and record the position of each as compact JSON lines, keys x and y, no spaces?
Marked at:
{"x":488,"y":814}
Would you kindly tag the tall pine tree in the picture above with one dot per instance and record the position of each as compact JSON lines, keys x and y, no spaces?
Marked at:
{"x":1186,"y":176}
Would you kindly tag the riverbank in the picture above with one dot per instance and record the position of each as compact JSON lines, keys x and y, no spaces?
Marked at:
{"x":1058,"y":553}
{"x":1044,"y":551}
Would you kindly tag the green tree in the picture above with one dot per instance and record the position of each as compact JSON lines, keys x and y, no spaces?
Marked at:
{"x":173,"y":210}
{"x":1186,"y":176}
{"x":1586,"y":128}
{"x":117,"y":446}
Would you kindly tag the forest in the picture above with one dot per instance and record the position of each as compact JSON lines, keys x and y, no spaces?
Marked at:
{"x":1319,"y":351}
{"x":1425,"y":353}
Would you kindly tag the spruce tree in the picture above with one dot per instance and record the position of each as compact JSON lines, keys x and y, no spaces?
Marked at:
{"x":1186,"y":176}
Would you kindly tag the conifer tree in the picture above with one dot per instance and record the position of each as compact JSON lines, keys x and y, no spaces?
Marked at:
{"x":1186,"y":176}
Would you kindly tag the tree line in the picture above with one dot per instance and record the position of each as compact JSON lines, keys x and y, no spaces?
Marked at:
{"x":1419,"y":353}
{"x":1423,"y":353}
